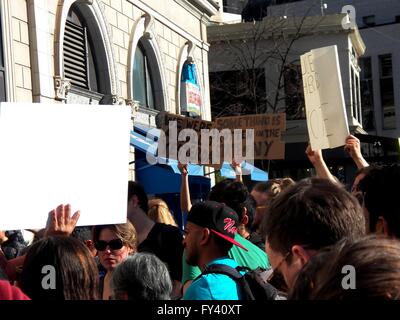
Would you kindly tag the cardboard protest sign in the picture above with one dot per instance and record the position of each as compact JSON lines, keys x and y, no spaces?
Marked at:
{"x":326,"y":111}
{"x":173,"y":140}
{"x":55,"y":154}
{"x":267,"y":132}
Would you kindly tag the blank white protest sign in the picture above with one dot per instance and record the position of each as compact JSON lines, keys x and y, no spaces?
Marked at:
{"x":326,"y":110}
{"x":53,"y":154}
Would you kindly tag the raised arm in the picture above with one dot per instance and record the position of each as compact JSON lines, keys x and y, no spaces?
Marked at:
{"x":238,"y":171}
{"x":353,"y":147}
{"x":315,"y":157}
{"x":186,"y":203}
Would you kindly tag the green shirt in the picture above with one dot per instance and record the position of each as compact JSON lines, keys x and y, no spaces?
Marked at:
{"x":253,"y":258}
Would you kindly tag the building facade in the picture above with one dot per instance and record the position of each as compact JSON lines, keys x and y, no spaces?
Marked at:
{"x":261,"y":62}
{"x":105,"y":52}
{"x":379,"y":25}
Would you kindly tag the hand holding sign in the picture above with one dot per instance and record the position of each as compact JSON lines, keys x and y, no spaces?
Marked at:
{"x":60,"y":221}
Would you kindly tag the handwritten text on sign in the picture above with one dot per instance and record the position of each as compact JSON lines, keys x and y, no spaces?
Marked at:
{"x":267,"y":132}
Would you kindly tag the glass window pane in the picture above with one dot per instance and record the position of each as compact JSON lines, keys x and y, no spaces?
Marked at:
{"x":367,"y":94}
{"x":366,"y":69}
{"x":386,"y":65}
{"x":149,"y":87}
{"x":387,"y":92}
{"x":1,"y":45}
{"x":139,"y":78}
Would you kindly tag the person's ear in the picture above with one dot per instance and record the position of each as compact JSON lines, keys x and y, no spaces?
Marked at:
{"x":381,"y":227}
{"x":245,"y":219}
{"x":205,"y":236}
{"x":300,"y":255}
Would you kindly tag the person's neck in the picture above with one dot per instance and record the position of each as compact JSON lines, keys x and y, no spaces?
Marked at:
{"x":142,"y":223}
{"x":243,"y":231}
{"x":206,"y":259}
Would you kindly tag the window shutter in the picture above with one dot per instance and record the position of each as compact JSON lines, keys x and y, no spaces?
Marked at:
{"x":75,"y":55}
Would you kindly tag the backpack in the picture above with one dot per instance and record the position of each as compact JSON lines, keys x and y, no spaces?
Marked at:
{"x":252,"y":283}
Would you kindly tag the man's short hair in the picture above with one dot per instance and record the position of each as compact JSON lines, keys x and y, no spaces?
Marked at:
{"x":136,"y":189}
{"x":315,"y":213}
{"x":216,"y":191}
{"x":234,"y":195}
{"x":380,"y":188}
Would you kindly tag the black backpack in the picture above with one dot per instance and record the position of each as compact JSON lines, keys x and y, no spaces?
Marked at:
{"x":252,"y":283}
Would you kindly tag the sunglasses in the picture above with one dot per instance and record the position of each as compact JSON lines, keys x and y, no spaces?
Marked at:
{"x":114,"y":244}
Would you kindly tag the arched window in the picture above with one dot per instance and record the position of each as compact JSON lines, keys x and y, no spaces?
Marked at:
{"x":142,"y":79}
{"x":84,"y":59}
{"x":3,"y":96}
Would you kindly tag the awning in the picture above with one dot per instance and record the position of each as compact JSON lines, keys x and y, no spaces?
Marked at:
{"x":255,"y":173}
{"x":149,"y":145}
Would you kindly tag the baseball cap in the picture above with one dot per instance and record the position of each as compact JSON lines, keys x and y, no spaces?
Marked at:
{"x":219,"y":218}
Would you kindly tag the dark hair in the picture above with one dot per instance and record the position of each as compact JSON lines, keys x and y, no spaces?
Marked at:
{"x":375,"y":260}
{"x":142,"y":276}
{"x":82,"y":233}
{"x":136,"y":189}
{"x":250,"y":204}
{"x":234,"y":195}
{"x":314,"y":212}
{"x":381,"y":190}
{"x":76,"y":274}
{"x":216,"y":192}
{"x":304,"y":286}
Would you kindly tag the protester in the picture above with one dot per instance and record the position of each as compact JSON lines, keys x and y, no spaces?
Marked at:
{"x":306,"y":217}
{"x":59,"y":268}
{"x":114,"y":243}
{"x":254,"y":257}
{"x":141,"y":277}
{"x":165,"y":241}
{"x":210,"y":234}
{"x":60,"y":221}
{"x":380,"y":191}
{"x":264,"y":193}
{"x":371,"y":268}
{"x":159,"y":212}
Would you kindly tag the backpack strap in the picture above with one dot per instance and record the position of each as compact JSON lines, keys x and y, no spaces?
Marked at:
{"x":234,"y":274}
{"x":223,"y":269}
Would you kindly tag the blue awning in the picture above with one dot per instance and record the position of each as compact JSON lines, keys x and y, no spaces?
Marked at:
{"x":255,"y":173}
{"x":149,"y":146}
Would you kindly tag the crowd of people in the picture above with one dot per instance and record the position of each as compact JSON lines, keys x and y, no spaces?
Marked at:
{"x":309,"y":240}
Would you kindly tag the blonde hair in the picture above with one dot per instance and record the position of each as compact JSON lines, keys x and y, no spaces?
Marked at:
{"x":124,"y":231}
{"x":159,"y":212}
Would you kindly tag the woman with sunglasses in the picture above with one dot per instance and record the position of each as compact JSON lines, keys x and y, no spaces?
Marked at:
{"x":114,"y":243}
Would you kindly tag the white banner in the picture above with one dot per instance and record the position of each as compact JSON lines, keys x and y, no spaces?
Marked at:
{"x":53,"y":154}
